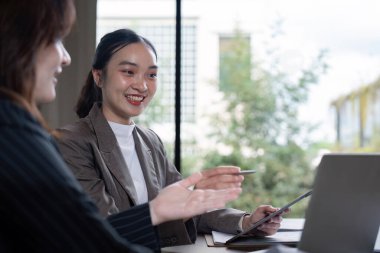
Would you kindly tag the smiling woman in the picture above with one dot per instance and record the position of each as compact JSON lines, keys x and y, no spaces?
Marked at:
{"x":122,"y":164}
{"x":44,"y":33}
{"x":128,"y":82}
{"x":137,"y":76}
{"x":50,"y":60}
{"x":40,"y":197}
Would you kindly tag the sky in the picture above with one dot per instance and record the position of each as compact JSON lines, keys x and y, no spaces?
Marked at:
{"x":349,"y":30}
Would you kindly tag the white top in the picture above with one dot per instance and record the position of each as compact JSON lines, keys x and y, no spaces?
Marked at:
{"x":126,"y":143}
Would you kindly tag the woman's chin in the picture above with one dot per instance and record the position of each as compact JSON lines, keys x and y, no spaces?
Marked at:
{"x":45,"y":99}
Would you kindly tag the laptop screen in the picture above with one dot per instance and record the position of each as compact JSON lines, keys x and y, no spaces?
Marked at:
{"x":344,"y":211}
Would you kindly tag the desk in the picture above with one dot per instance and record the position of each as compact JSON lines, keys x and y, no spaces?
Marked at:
{"x":200,"y":245}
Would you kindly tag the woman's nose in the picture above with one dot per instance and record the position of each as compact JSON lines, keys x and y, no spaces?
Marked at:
{"x":140,"y":84}
{"x":66,"y":59}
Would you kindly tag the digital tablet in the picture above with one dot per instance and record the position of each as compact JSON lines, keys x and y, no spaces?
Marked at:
{"x":266,"y":218}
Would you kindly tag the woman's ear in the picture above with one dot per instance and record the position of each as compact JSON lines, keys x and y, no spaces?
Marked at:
{"x":97,"y":75}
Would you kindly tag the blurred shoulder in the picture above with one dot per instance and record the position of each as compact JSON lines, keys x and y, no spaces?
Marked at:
{"x":80,"y":130}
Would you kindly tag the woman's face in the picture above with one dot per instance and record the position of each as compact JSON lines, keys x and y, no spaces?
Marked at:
{"x":129,"y":83}
{"x":49,"y":62}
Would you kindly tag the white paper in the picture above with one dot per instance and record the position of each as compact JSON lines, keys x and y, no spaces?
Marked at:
{"x":292,"y":224}
{"x":220,"y":238}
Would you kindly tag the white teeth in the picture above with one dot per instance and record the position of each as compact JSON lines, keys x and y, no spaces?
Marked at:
{"x":135,"y":98}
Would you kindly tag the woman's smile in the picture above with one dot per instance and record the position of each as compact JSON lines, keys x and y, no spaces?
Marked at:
{"x":135,"y":99}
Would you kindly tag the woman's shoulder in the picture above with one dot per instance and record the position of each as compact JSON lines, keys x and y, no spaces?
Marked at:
{"x":78,"y":131}
{"x":15,"y":119}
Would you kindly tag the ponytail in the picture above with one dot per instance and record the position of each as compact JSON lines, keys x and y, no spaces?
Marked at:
{"x":90,"y":94}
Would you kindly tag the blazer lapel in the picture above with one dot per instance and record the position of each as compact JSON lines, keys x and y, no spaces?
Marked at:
{"x":111,"y":152}
{"x":144,"y":153}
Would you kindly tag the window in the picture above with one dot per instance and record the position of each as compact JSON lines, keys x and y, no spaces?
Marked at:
{"x":258,"y":80}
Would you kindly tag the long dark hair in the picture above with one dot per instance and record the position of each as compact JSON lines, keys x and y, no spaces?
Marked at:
{"x":108,"y":46}
{"x":26,"y":26}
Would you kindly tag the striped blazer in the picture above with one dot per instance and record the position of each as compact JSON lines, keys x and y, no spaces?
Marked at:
{"x":44,"y":209}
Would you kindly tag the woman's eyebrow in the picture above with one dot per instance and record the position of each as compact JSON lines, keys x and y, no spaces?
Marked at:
{"x":127,"y":63}
{"x":135,"y":64}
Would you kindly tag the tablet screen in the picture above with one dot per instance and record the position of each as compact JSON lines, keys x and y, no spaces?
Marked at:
{"x":266,"y":218}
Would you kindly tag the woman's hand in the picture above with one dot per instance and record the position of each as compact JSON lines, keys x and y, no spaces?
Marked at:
{"x":268,"y":228}
{"x":177,"y":201}
{"x":222,"y":177}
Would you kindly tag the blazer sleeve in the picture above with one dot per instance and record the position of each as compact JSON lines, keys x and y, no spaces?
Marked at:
{"x":42,"y":201}
{"x":223,"y":220}
{"x":135,"y":225}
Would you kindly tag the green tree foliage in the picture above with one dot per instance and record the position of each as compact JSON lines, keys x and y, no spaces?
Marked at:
{"x":262,"y":127}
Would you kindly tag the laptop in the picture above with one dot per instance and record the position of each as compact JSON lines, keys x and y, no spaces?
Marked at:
{"x":343,"y":215}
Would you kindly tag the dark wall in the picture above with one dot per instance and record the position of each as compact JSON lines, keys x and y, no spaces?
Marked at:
{"x":81,"y":46}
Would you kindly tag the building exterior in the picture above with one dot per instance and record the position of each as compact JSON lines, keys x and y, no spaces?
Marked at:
{"x":358,"y":118}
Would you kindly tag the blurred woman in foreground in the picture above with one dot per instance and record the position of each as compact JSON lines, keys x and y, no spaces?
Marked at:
{"x":43,"y":208}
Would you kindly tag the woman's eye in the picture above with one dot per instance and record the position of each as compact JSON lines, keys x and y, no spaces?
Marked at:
{"x":128,"y":72}
{"x":153,"y":75}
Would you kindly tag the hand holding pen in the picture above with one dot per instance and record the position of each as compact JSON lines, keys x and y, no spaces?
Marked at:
{"x":222,"y":177}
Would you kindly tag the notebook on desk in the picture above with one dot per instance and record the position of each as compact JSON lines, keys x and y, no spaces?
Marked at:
{"x":218,"y":239}
{"x":288,"y":234}
{"x":343,"y":215}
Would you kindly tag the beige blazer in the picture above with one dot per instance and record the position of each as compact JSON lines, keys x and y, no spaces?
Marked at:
{"x":91,"y":150}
